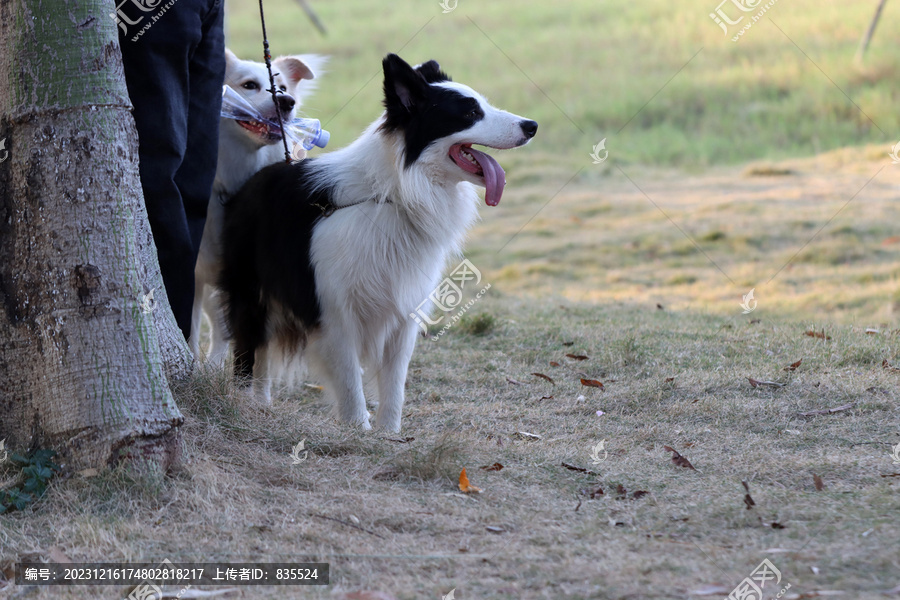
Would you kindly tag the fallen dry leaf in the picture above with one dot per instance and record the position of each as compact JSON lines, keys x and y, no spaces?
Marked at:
{"x":793,"y":366}
{"x":592,"y":383}
{"x":818,"y":334}
{"x":817,"y":481}
{"x":553,"y":363}
{"x":593,"y":493}
{"x":568,"y":343}
{"x":678,"y":460}
{"x":639,"y":494}
{"x":748,"y":500}
{"x":524,"y":435}
{"x":495,"y":529}
{"x":621,"y":492}
{"x":826,"y":411}
{"x":659,"y":306}
{"x":757,"y":383}
{"x":464,"y":486}
{"x":578,"y":469}
{"x":542,"y":376}
{"x":546,"y":397}
{"x":871,"y":331}
{"x":493,"y":467}
{"x":577,"y":356}
{"x":405,"y":440}
{"x":669,"y":379}
{"x":889,"y":367}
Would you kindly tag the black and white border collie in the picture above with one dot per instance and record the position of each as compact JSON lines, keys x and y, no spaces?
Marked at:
{"x":328,"y":257}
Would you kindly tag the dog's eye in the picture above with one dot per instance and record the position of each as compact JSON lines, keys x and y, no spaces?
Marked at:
{"x":283,"y":88}
{"x":474,"y":114}
{"x":250,"y":85}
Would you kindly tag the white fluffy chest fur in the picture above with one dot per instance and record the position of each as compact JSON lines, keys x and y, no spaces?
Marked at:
{"x":381,"y":255}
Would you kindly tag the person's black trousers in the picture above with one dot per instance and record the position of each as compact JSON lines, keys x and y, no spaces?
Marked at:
{"x":174,"y":59}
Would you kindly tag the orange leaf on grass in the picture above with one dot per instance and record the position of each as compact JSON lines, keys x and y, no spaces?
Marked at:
{"x":493,"y":467}
{"x":464,"y":486}
{"x":577,"y":356}
{"x":542,"y":376}
{"x":817,"y":481}
{"x":818,"y":334}
{"x":592,"y":383}
{"x":793,"y":366}
{"x":553,"y":363}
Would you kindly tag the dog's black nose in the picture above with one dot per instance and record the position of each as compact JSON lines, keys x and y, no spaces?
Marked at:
{"x":529,"y":128}
{"x":286,"y":103}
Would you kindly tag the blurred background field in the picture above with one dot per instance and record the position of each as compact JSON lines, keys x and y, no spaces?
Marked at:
{"x":729,"y":163}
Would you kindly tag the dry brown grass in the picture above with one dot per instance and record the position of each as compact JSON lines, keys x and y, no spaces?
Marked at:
{"x":237,"y":496}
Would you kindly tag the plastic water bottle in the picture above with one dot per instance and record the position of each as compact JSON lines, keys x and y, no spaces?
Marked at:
{"x":308,"y":133}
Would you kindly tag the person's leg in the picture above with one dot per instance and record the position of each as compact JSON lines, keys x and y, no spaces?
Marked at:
{"x":158,"y":74}
{"x":207,"y":75}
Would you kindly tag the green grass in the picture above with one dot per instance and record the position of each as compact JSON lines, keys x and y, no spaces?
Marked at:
{"x":586,"y":72}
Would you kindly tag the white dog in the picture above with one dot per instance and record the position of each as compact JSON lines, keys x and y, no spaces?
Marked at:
{"x":245,"y":147}
{"x":329,"y":257}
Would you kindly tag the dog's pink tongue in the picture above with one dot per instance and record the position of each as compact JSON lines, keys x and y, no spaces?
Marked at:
{"x":494,"y":176}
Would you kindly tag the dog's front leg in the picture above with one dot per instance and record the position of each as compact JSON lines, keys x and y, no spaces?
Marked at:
{"x":398,"y":351}
{"x":335,"y":356}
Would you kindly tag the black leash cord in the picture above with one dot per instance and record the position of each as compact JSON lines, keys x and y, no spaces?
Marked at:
{"x":272,"y":90}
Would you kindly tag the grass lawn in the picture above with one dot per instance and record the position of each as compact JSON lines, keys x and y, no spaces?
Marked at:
{"x":750,"y":169}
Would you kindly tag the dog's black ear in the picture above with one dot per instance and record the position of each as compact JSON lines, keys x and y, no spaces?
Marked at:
{"x":432,"y":73}
{"x":404,"y":91}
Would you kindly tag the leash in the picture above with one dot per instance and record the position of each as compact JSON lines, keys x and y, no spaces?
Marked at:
{"x":273,"y":90}
{"x":329,"y":207}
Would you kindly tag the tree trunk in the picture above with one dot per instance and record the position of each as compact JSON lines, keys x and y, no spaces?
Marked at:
{"x":85,"y":354}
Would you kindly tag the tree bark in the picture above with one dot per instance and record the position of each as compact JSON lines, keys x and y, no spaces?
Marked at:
{"x":85,"y":355}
